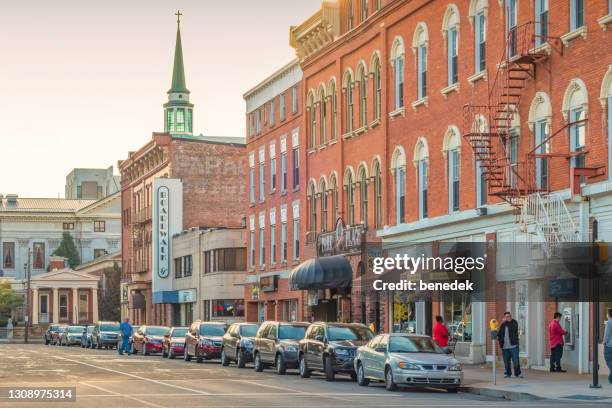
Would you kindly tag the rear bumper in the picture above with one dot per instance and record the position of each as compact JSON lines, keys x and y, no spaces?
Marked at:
{"x":211,"y":351}
{"x":178,"y":349}
{"x":153,"y":347}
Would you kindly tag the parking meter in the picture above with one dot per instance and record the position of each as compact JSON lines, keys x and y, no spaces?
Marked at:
{"x":494,"y":327}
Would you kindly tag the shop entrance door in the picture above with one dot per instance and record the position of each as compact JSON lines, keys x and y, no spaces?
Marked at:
{"x":325,"y":311}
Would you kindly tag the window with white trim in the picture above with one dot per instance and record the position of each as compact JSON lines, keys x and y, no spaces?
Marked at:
{"x":262,"y":181}
{"x":481,"y":41}
{"x":576,"y":14}
{"x":541,"y":22}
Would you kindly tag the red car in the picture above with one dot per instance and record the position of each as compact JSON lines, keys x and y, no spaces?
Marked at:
{"x":149,"y":339}
{"x":204,"y":340}
{"x":174,"y":342}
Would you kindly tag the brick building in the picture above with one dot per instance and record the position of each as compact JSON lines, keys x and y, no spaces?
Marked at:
{"x":199,"y":173}
{"x":386,"y":83}
{"x":275,"y":140}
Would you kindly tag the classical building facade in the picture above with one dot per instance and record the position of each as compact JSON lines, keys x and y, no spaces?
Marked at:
{"x":176,"y":181}
{"x":275,"y":151}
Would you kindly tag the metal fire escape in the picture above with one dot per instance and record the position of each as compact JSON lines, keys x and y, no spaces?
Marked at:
{"x":488,"y":128}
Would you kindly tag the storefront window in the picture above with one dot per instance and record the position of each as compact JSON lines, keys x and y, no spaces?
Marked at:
{"x":228,"y":308}
{"x":458,"y":315}
{"x":404,"y":314}
{"x":289,"y":310}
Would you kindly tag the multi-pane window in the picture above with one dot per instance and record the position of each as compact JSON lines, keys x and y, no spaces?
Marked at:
{"x":170,"y":120}
{"x":350,"y":199}
{"x":323,"y":119}
{"x":323,"y":208}
{"x":513,"y":151}
{"x":334,"y":110}
{"x":272,"y":113}
{"x":363,"y":99}
{"x":252,"y":250}
{"x":178,"y":267}
{"x":312,"y":111}
{"x":377,"y":90}
{"x":296,"y":168}
{"x":282,"y":107}
{"x":481,"y":41}
{"x":224,"y":260}
{"x":99,"y":226}
{"x":453,"y":75}
{"x":252,"y":185}
{"x":272,"y":244}
{"x":511,"y":22}
{"x":576,"y":14}
{"x":349,"y":103}
{"x":284,"y":171}
{"x":294,"y":99}
{"x":258,"y":121}
{"x":180,"y":120}
{"x":68,"y":226}
{"x":98,"y":252}
{"x":38,"y":255}
{"x":284,"y":241}
{"x":400,"y":193}
{"x":334,"y":193}
{"x":273,"y":174}
{"x":423,"y":175}
{"x":296,"y":238}
{"x":422,"y":71}
{"x":262,"y":245}
{"x":398,"y":67}
{"x":313,"y":210}
{"x":8,"y":255}
{"x":578,"y":135}
{"x":377,"y":195}
{"x":364,"y":197}
{"x":453,"y":177}
{"x":541,"y":22}
{"x":262,"y":181}
{"x":481,"y":185}
{"x":541,"y":134}
{"x":364,"y":9}
{"x":349,"y":15}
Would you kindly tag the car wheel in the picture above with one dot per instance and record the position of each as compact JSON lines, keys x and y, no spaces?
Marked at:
{"x":258,"y":363}
{"x":198,"y":357}
{"x":452,"y":390}
{"x":224,"y":360}
{"x":361,"y":379}
{"x":390,"y":384}
{"x":241,"y":358}
{"x":329,"y":369}
{"x":281,"y":367}
{"x":186,"y":356}
{"x":304,"y":371}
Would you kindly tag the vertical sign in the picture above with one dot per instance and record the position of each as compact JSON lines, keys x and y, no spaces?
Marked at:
{"x":163,"y":238}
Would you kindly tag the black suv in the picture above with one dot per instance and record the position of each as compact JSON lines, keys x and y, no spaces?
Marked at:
{"x":330,"y":347}
{"x":238,"y":344}
{"x":277,"y":343}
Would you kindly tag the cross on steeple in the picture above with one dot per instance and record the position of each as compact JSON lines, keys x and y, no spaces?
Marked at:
{"x":178,"y":15}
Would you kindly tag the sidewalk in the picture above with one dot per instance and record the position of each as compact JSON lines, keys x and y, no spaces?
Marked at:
{"x":537,"y":384}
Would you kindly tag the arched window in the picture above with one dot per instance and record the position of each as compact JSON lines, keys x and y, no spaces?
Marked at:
{"x":312,"y":111}
{"x":348,"y":92}
{"x":363,"y":188}
{"x":575,"y":110}
{"x":450,"y":30}
{"x":349,"y":185}
{"x":334,"y":197}
{"x":397,"y":60}
{"x":399,"y":168}
{"x":363,"y":96}
{"x":377,"y":194}
{"x":540,"y":116}
{"x":323,"y":114}
{"x":452,"y":151}
{"x":421,"y":161}
{"x":334,"y":109}
{"x":323,"y":205}
{"x":377,"y":86}
{"x":349,"y":15}
{"x":364,"y":9}
{"x":312,"y":195}
{"x":420,"y":41}
{"x":478,"y":17}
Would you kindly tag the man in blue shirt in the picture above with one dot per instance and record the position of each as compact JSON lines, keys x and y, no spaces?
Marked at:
{"x":125,"y":328}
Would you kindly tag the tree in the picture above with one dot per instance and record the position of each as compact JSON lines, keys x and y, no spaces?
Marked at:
{"x":9,"y":300}
{"x":68,"y":250}
{"x":109,"y":300}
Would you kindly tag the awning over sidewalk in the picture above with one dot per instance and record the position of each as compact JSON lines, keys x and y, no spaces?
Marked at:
{"x":322,"y":273}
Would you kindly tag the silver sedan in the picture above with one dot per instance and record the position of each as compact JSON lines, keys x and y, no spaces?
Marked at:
{"x":407,"y":359}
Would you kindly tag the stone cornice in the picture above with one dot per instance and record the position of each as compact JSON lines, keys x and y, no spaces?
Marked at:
{"x":317,"y":31}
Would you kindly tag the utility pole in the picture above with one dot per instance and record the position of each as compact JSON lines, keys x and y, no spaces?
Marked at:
{"x":595,"y":307}
{"x":27,"y":298}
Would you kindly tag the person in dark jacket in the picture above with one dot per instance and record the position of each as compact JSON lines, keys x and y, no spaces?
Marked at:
{"x":509,"y":343}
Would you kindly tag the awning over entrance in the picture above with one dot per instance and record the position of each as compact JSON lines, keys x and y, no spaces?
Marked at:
{"x":322,"y":273}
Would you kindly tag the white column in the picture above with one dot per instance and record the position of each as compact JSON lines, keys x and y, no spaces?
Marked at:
{"x":34,"y":306}
{"x":55,"y":306}
{"x":94,"y":304}
{"x":75,"y":305}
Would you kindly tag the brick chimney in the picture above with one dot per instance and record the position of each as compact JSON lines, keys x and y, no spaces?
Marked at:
{"x":56,"y":262}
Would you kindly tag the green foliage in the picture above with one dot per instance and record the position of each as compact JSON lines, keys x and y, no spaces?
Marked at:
{"x":68,"y":250}
{"x":9,"y":300}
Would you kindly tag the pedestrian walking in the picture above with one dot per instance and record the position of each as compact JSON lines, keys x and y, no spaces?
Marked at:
{"x":607,"y":342}
{"x":440,"y":333}
{"x":555,"y":334}
{"x":508,"y":339}
{"x":125,"y":328}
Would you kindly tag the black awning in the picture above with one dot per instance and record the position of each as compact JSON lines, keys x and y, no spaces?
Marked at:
{"x":322,"y":273}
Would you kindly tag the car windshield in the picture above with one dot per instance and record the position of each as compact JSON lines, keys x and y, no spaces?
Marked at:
{"x":405,"y":344}
{"x":287,"y":332}
{"x":249,"y":330}
{"x":109,"y":327}
{"x":156,"y":331}
{"x":179,"y":332}
{"x":336,"y":333}
{"x":75,"y":329}
{"x":212,"y":330}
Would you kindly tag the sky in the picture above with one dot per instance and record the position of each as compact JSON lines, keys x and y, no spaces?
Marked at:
{"x":83,"y":82}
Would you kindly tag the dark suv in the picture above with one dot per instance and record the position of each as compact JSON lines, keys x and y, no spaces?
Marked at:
{"x":203,"y":340}
{"x":238,"y":344}
{"x":105,"y":334}
{"x":277,"y":343}
{"x":330,"y":347}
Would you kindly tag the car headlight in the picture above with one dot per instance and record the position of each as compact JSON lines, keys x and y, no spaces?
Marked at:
{"x":456,"y":367}
{"x":408,"y":366}
{"x":342,"y":352}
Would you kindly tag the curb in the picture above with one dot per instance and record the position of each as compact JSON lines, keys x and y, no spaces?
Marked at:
{"x":503,"y":394}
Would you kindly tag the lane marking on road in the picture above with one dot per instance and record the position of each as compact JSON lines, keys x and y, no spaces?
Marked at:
{"x":134,"y":376}
{"x":259,"y":384}
{"x":118,"y":394}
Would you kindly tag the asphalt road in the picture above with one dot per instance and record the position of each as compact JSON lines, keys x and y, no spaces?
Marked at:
{"x":104,"y":379}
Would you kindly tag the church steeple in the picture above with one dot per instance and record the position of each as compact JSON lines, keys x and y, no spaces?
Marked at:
{"x":178,"y":112}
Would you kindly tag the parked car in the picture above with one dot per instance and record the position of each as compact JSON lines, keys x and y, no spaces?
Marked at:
{"x":277,"y":344}
{"x":105,"y":334}
{"x":48,"y":334}
{"x":203,"y":340}
{"x":57,"y":334}
{"x":407,"y":359}
{"x":86,"y":336}
{"x":238,"y":344}
{"x":330,"y":347}
{"x":149,"y":339}
{"x":71,"y":335}
{"x":131,"y":339}
{"x":174,"y":342}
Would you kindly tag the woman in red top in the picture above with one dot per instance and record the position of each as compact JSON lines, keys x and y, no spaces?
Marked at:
{"x":440,"y":332}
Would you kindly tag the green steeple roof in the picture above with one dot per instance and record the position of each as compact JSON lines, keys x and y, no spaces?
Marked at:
{"x":178,"y":72}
